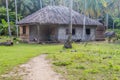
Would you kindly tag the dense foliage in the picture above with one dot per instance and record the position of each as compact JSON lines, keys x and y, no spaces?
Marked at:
{"x":3,"y":21}
{"x":96,"y":9}
{"x":117,"y":21}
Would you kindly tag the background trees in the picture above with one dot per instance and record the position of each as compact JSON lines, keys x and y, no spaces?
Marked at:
{"x":95,"y":8}
{"x":106,"y":10}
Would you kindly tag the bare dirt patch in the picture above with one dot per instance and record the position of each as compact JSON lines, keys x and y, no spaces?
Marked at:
{"x":37,"y":68}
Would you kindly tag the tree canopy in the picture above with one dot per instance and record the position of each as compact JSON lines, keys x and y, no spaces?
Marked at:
{"x":96,"y":9}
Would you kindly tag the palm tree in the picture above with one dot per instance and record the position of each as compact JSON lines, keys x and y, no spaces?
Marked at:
{"x":8,"y":20}
{"x":84,"y":25}
{"x":114,"y":10}
{"x":68,"y":43}
{"x":108,"y":10}
{"x":92,"y":9}
{"x":26,"y":7}
{"x":41,"y":4}
{"x":16,"y":17}
{"x":51,"y":2}
{"x":70,"y":25}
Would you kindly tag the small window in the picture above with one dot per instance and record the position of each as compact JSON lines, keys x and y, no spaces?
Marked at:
{"x":73,"y":32}
{"x":24,"y":29}
{"x":88,"y":31}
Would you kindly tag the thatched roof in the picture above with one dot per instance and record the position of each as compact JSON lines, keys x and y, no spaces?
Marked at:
{"x":56,"y":15}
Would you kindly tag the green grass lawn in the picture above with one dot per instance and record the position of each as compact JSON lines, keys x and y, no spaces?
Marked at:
{"x":96,"y":61}
{"x":20,"y":53}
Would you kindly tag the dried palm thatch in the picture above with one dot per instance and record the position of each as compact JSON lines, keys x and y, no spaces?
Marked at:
{"x":56,"y":15}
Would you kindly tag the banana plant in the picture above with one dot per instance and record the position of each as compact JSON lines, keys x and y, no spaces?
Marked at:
{"x":3,"y":27}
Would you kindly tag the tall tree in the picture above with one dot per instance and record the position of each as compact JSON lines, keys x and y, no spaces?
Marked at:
{"x":41,"y":4}
{"x":16,"y":17}
{"x":8,"y":20}
{"x":84,"y":24}
{"x":68,"y":43}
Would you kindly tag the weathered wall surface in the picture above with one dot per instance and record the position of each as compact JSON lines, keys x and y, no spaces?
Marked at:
{"x":92,"y":35}
{"x":62,"y":36}
{"x":54,"y":33}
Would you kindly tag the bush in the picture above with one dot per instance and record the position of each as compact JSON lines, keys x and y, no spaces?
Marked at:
{"x":117,"y":32}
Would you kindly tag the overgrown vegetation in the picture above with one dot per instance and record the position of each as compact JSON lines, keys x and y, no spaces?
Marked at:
{"x":117,"y":21}
{"x":117,"y":31}
{"x":4,"y":24}
{"x":21,"y":53}
{"x":95,"y":61}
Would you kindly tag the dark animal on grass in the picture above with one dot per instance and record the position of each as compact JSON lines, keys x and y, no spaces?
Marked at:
{"x":110,"y":36}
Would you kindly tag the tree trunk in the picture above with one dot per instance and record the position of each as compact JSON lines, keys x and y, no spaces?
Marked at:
{"x":63,"y":2}
{"x":51,"y":2}
{"x":107,"y":17}
{"x":40,"y":4}
{"x":84,"y":27}
{"x":16,"y":17}
{"x":68,"y":43}
{"x":84,"y":24}
{"x":8,"y":20}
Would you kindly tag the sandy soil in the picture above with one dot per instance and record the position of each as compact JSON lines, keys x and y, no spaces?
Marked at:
{"x":37,"y":68}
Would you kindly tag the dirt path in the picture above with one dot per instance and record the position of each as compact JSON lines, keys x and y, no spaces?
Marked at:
{"x":39,"y":69}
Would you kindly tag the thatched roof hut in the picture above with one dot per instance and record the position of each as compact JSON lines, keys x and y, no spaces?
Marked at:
{"x":51,"y":24}
{"x":56,"y":15}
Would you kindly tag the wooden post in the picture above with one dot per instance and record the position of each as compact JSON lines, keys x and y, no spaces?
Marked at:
{"x":21,"y":30}
{"x":27,"y":32}
{"x":38,"y":33}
